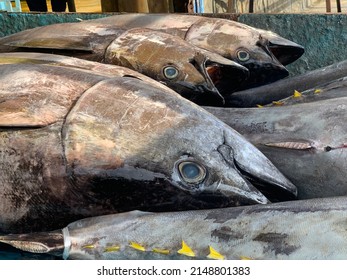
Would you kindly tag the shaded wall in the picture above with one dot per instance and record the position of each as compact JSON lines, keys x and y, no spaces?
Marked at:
{"x":323,"y":36}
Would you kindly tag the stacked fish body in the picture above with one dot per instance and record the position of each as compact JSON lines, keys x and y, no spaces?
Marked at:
{"x":161,"y":56}
{"x":307,"y":229}
{"x":307,"y":141}
{"x":76,"y":143}
{"x":172,"y":57}
{"x":108,"y":140}
{"x":324,"y":83}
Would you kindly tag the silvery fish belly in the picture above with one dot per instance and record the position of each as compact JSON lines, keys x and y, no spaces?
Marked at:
{"x":301,"y":230}
{"x":262,"y":52}
{"x":307,"y":142}
{"x":75,"y":143}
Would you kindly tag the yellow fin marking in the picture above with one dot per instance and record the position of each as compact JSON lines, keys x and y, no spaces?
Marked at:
{"x":317,"y":91}
{"x":111,"y":249}
{"x":260,"y":106}
{"x":297,"y":94}
{"x":243,"y":258}
{"x":161,"y":251}
{"x":185,"y":250}
{"x":215,"y":255}
{"x":137,"y":246}
{"x":91,"y":246}
{"x":277,"y":103}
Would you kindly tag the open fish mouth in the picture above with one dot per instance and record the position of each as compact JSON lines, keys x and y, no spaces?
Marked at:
{"x":221,"y":75}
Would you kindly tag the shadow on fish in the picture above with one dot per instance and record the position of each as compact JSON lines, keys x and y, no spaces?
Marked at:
{"x":306,"y":142}
{"x":263,"y":52}
{"x":299,"y":230}
{"x":199,"y":75}
{"x":76,"y":143}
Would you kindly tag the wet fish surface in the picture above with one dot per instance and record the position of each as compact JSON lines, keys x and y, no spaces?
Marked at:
{"x":75,"y":144}
{"x":199,"y":75}
{"x":263,"y":52}
{"x":311,"y":84}
{"x":300,"y":230}
{"x":307,"y":142}
{"x":333,"y":89}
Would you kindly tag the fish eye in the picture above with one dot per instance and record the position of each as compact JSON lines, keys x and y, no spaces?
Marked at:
{"x":170,"y":72}
{"x":192,"y":172}
{"x":242,"y":55}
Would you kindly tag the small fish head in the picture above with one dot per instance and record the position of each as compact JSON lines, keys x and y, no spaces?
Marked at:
{"x":242,"y":44}
{"x":136,"y":146}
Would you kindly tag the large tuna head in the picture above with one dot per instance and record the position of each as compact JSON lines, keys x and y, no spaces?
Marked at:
{"x":260,"y":51}
{"x":196,"y":74}
{"x":136,"y":146}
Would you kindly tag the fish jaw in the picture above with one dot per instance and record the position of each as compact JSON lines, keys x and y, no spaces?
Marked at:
{"x":257,"y":168}
{"x":284,"y":50}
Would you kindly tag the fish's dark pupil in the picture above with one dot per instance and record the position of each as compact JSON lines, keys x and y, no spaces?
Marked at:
{"x":243,"y":55}
{"x":170,"y":72}
{"x":190,"y":171}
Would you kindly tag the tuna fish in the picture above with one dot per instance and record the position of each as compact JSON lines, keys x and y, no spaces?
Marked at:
{"x":262,"y":52}
{"x":305,"y":229}
{"x":161,"y":56}
{"x":307,"y":142}
{"x":75,"y":144}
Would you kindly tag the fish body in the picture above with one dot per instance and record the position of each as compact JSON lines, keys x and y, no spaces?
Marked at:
{"x":307,"y":142}
{"x":161,"y":56}
{"x":333,"y":89}
{"x":74,"y":144}
{"x":300,"y":230}
{"x":314,"y":85}
{"x":262,"y":52}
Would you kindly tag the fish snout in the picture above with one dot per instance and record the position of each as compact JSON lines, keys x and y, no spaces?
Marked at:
{"x":256,"y":169}
{"x":284,"y":50}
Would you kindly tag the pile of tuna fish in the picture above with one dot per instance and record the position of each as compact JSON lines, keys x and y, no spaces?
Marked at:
{"x":156,"y":137}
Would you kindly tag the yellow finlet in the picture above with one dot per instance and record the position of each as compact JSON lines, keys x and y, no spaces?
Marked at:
{"x":215,"y":255}
{"x":260,"y":106}
{"x":317,"y":91}
{"x":90,"y":246}
{"x":277,"y":103}
{"x":137,"y":246}
{"x":185,"y":250}
{"x":112,"y":249}
{"x":297,"y":94}
{"x":243,"y":258}
{"x":161,"y":251}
